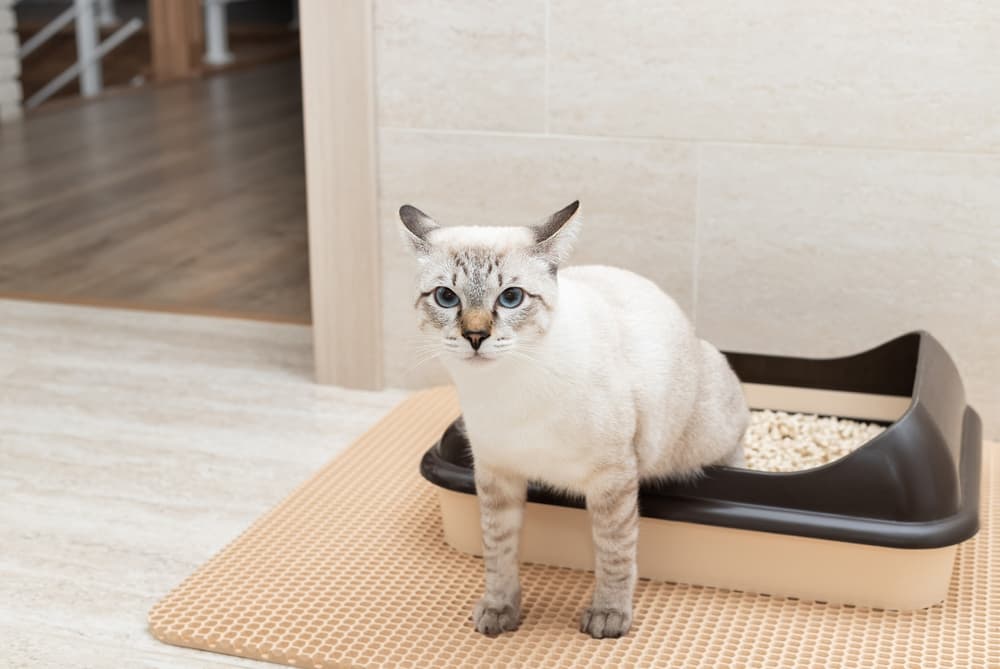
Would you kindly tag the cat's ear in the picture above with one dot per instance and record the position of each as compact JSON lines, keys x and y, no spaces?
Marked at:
{"x":554,"y":238}
{"x":416,"y":226}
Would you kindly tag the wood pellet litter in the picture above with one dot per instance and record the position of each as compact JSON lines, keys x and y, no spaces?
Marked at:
{"x":777,"y":441}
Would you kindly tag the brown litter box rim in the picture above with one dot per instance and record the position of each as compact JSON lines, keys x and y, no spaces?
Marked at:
{"x":731,"y":497}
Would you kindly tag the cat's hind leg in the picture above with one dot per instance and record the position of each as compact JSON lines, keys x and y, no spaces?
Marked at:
{"x":501,"y":510}
{"x":715,"y":432}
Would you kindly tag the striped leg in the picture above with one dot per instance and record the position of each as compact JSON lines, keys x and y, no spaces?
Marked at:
{"x":612,"y":500}
{"x":501,"y":509}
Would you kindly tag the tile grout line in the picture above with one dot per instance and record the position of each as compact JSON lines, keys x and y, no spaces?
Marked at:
{"x":461,"y":132}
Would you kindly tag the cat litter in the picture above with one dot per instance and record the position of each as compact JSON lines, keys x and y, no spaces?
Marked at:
{"x":777,"y":441}
{"x":352,"y":570}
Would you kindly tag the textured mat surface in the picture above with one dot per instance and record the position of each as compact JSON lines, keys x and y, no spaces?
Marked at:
{"x":351,"y":570}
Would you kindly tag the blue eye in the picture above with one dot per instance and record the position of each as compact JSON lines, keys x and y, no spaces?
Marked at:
{"x":445,"y":297}
{"x":511,"y":298}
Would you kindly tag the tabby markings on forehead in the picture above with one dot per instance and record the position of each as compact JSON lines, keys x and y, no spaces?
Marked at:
{"x":477,"y":263}
{"x":477,"y":256}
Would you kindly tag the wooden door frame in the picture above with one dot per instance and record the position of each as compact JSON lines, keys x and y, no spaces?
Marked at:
{"x":345,"y":256}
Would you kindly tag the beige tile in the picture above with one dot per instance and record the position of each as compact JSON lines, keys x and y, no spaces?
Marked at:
{"x":464,"y":65}
{"x":855,"y":73}
{"x":637,"y":203}
{"x":133,"y":446}
{"x":823,"y":252}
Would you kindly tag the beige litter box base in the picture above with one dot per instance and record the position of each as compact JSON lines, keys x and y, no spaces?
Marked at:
{"x":777,"y":564}
{"x":352,"y":570}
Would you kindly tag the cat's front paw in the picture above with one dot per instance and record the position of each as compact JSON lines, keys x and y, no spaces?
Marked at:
{"x":493,"y":619}
{"x":605,"y":623}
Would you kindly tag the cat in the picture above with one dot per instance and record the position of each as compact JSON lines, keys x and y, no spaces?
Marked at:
{"x":585,"y":379}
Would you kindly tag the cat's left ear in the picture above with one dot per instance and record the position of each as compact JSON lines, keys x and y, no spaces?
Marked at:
{"x":416,"y":226}
{"x":555,"y":237}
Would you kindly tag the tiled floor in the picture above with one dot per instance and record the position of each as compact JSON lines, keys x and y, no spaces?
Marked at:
{"x":133,"y":446}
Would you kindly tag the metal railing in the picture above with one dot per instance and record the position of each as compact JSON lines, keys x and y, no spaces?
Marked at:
{"x":217,"y":33}
{"x":89,"y":49}
{"x":89,"y":14}
{"x":217,"y":30}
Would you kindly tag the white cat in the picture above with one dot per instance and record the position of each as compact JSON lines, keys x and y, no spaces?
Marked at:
{"x":586,"y":379}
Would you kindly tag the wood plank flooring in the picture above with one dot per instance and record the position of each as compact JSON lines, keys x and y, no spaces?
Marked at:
{"x":133,"y":446}
{"x":188,"y":196}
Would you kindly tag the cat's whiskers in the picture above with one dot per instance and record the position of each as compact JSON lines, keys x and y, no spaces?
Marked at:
{"x":421,"y":361}
{"x":423,"y":350}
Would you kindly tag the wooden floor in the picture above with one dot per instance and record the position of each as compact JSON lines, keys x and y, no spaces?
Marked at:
{"x":134,"y":446}
{"x":185,"y":197}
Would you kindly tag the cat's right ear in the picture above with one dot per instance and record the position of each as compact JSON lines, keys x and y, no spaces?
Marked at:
{"x":416,"y":226}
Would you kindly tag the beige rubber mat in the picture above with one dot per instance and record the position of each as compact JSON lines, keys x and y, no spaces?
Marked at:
{"x":351,"y":570}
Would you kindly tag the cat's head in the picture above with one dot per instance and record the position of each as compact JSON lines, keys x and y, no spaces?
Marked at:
{"x":486,"y":293}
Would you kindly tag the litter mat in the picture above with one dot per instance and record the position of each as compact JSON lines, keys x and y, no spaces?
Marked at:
{"x":353,"y":570}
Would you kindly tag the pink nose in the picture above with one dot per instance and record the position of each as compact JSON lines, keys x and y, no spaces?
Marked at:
{"x":476,"y":337}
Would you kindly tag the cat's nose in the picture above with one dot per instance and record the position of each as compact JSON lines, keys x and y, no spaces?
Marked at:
{"x":476,"y":337}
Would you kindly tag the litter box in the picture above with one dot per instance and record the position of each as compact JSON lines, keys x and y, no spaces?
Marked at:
{"x":879,"y":527}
